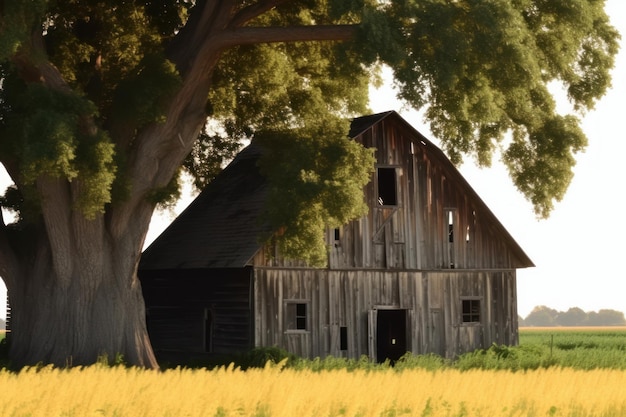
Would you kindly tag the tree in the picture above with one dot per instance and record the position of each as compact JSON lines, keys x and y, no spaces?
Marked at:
{"x":541,"y":316}
{"x":606,"y":317}
{"x":574,"y":316}
{"x":102,"y":102}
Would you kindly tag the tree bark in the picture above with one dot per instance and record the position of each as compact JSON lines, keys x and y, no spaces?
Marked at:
{"x":75,"y":304}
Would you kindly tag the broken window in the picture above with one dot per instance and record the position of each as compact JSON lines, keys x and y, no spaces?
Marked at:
{"x":470,"y":311}
{"x":450,"y":227}
{"x":296,"y":316}
{"x":387,"y":188}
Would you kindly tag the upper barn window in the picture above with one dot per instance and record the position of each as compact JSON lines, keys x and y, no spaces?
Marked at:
{"x":387,"y":186}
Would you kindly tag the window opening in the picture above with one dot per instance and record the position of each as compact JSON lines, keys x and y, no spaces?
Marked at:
{"x":343,"y":338}
{"x":387,"y":191}
{"x":208,"y":330}
{"x":450,"y":218}
{"x":471,"y":311}
{"x":296,"y":316}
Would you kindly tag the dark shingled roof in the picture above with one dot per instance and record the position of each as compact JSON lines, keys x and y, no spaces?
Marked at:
{"x":220,"y":228}
{"x":361,"y":124}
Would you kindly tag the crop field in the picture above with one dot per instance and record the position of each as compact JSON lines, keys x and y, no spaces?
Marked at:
{"x":117,"y":391}
{"x":500,"y":385}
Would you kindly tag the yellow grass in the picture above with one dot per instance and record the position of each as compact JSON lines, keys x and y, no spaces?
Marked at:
{"x":101,"y":391}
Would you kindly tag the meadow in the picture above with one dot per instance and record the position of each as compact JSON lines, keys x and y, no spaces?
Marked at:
{"x":498,"y":381}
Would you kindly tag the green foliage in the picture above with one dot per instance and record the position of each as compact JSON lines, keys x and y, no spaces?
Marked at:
{"x":96,"y":45}
{"x":316,"y":178}
{"x":580,"y":349}
{"x":209,"y":154}
{"x":46,"y":132}
{"x":167,"y":196}
{"x":142,"y":97}
{"x":523,"y":357}
{"x":486,"y":75}
{"x":331,"y":363}
{"x":541,"y":165}
{"x":277,"y":87}
{"x":584,"y":349}
{"x":259,"y":357}
{"x":16,"y":20}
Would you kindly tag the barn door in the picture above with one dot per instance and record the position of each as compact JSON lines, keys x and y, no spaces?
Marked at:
{"x":388,"y":334}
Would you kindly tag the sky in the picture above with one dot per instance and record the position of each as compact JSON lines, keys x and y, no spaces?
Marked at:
{"x":578,"y":250}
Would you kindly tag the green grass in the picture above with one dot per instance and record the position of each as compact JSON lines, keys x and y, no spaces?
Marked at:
{"x":578,"y":348}
{"x":581,"y":348}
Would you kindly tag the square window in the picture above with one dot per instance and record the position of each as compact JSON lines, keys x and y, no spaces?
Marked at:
{"x":471,"y":311}
{"x":296,"y":316}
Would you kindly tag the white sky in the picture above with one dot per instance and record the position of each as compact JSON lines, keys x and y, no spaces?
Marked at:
{"x":578,"y":250}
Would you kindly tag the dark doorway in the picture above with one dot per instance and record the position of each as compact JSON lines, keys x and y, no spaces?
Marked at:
{"x":390,"y":335}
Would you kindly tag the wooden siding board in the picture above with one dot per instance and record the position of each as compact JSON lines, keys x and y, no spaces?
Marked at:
{"x":347,"y":298}
{"x":176,"y":304}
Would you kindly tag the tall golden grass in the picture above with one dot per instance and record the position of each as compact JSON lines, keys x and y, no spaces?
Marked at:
{"x":103,"y":391}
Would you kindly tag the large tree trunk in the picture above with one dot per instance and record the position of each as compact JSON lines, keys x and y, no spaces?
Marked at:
{"x":69,"y":326}
{"x":74,"y":292}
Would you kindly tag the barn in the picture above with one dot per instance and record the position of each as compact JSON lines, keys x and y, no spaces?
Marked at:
{"x":429,"y":269}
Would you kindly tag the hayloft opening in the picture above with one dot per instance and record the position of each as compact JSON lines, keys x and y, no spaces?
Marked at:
{"x":387,"y":188}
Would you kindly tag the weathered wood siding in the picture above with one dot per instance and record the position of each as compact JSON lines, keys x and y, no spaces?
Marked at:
{"x":345,"y":298}
{"x":434,"y":245}
{"x":413,"y":234}
{"x":180,"y":302}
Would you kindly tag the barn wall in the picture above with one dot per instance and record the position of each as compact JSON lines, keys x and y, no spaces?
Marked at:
{"x":199,"y":311}
{"x":347,"y":298}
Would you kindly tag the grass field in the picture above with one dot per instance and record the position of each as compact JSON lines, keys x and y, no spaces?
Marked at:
{"x":554,"y":372}
{"x":271,"y":392}
{"x":578,"y":347}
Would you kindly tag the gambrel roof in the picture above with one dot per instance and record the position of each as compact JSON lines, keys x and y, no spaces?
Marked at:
{"x":221,"y":228}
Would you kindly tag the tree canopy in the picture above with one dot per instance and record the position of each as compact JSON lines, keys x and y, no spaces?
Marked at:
{"x":574,"y":316}
{"x":103,"y":102}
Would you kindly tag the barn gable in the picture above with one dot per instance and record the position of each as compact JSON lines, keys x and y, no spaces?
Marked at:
{"x":423,"y":213}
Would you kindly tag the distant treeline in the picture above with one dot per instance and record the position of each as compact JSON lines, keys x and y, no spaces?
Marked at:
{"x":546,"y":316}
{"x":2,"y":324}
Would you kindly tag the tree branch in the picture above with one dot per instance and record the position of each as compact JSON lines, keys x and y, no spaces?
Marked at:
{"x":206,"y":16}
{"x":248,"y":13}
{"x":253,"y":35}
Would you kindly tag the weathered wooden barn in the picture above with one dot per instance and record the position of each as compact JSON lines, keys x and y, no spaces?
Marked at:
{"x":428,"y":269}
